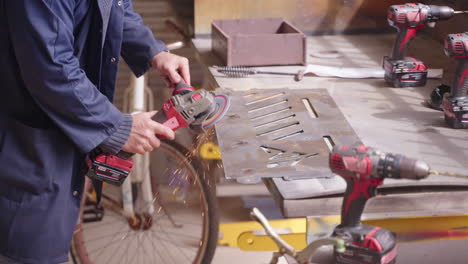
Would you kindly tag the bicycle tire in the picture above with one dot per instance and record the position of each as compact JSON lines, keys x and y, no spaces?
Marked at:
{"x":82,"y":243}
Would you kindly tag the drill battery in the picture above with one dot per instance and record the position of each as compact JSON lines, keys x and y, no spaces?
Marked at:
{"x":456,"y":111}
{"x":109,"y":168}
{"x":367,"y":245}
{"x":408,"y":72}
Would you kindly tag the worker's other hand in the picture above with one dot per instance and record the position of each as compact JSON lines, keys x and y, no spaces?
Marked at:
{"x":143,"y":137}
{"x":169,"y":66}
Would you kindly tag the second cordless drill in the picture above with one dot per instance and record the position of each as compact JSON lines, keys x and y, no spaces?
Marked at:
{"x":401,"y":71}
{"x":364,"y":169}
{"x":455,"y":104}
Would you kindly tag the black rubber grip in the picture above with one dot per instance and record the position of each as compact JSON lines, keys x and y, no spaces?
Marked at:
{"x":351,"y":216}
{"x":124,"y":154}
{"x":182,"y":88}
{"x":181,"y":84}
{"x":397,"y":53}
{"x":160,"y":117}
{"x":460,"y":81}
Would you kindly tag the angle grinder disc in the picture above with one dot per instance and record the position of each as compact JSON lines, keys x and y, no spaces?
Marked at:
{"x":222,"y":106}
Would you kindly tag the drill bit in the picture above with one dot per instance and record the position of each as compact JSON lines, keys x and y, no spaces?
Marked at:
{"x":239,"y":71}
{"x":461,"y":12}
{"x":449,"y":174}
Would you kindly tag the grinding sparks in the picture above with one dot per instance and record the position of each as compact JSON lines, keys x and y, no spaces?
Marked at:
{"x":206,"y":165}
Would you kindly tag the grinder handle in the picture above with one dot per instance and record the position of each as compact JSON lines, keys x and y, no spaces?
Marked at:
{"x":160,"y":117}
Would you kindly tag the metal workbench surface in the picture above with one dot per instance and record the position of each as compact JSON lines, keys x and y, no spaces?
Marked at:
{"x":391,"y":119}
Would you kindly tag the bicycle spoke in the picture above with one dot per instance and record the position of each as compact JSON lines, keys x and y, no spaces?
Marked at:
{"x":179,"y":248}
{"x":178,"y":234}
{"x":195,"y":242}
{"x":156,"y":247}
{"x":109,"y":244}
{"x":94,"y":239}
{"x":114,"y":253}
{"x":145,"y":234}
{"x":178,"y":231}
{"x":143,"y":249}
{"x":178,"y":221}
{"x":162,"y":242}
{"x":136,"y":251}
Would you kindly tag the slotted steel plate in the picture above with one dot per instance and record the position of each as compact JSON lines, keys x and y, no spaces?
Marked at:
{"x":280,"y":133}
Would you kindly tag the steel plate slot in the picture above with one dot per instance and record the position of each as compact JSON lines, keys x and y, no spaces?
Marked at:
{"x":272,"y":113}
{"x":310,"y":108}
{"x":329,"y":142}
{"x":265,"y":98}
{"x":268,"y":106}
{"x":275,"y":121}
{"x":290,"y":135}
{"x":277,"y":129}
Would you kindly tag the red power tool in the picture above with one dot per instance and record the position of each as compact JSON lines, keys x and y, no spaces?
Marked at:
{"x":401,"y":71}
{"x":455,"y":104}
{"x":364,"y":169}
{"x":197,"y":109}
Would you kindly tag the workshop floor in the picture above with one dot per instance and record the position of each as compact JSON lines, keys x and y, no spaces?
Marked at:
{"x":430,"y":252}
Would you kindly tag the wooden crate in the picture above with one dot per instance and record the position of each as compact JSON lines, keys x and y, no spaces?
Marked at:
{"x":257,"y":42}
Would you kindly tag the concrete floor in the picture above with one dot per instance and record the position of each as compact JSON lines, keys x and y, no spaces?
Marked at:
{"x":431,"y":252}
{"x":233,"y":209}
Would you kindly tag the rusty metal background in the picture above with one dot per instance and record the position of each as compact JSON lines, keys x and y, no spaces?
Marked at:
{"x":280,"y":133}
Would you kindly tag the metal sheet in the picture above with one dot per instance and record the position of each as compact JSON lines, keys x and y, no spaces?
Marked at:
{"x":280,"y":133}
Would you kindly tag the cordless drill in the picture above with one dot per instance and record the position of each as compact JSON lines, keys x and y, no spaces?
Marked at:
{"x":364,"y":169}
{"x":401,"y":71}
{"x":187,"y":107}
{"x":455,"y":104}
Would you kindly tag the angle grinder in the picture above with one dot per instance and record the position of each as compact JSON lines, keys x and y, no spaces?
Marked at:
{"x":196,"y":109}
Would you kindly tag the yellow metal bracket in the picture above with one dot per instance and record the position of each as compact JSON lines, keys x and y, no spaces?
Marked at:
{"x":250,"y":236}
{"x":248,"y":241}
{"x":210,"y":151}
{"x":230,"y":232}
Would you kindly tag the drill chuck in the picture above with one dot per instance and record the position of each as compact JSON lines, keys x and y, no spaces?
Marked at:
{"x":413,"y":169}
{"x":440,"y":13}
{"x":396,"y":166}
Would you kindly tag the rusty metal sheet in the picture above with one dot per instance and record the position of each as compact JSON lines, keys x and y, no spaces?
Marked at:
{"x":280,"y":133}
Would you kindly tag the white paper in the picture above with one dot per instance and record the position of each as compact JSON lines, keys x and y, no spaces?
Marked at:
{"x":358,"y":73}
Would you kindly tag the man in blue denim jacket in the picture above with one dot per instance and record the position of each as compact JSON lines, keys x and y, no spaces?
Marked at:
{"x":58,"y":66}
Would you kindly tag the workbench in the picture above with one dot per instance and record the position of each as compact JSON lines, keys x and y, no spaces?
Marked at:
{"x":391,"y":119}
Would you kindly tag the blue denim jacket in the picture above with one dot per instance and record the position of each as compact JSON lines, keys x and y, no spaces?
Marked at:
{"x":58,"y":66}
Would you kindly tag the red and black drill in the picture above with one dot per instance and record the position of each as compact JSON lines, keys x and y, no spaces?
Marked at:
{"x":364,"y":169}
{"x":198,"y":110}
{"x":455,"y":103}
{"x":401,"y":71}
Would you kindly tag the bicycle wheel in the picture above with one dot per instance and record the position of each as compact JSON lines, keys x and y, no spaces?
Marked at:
{"x":182,"y":229}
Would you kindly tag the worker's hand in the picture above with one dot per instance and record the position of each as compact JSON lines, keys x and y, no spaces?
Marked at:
{"x":143,"y":134}
{"x":169,"y":66}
